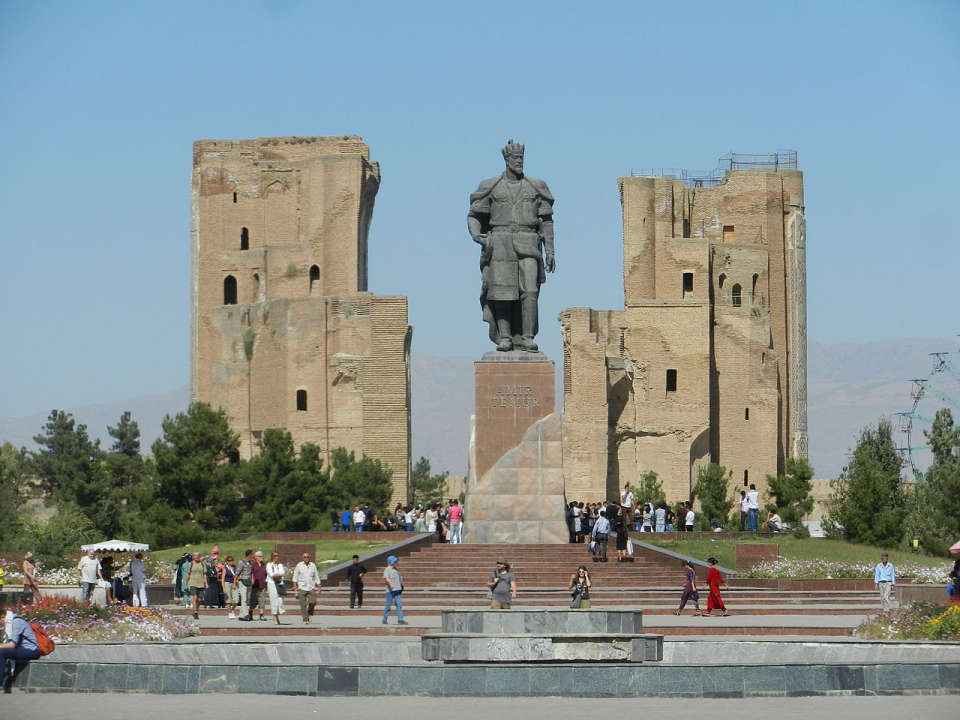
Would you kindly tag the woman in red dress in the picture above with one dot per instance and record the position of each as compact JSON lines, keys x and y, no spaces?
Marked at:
{"x":714,"y":578}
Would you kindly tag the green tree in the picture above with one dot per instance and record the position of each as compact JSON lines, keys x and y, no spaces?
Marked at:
{"x":355,"y":481}
{"x":13,"y":494}
{"x":283,"y":491}
{"x":61,"y":534}
{"x":68,"y":464}
{"x":712,"y":488}
{"x":129,"y":480}
{"x":868,"y":503}
{"x":132,"y":480}
{"x":196,"y":462}
{"x":424,"y":487}
{"x":650,"y":489}
{"x":934,"y":503}
{"x":791,"y":493}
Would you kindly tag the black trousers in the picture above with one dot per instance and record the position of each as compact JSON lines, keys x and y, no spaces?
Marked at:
{"x":356,"y":594}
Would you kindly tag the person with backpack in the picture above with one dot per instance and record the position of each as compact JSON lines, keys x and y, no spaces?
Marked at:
{"x":20,"y":646}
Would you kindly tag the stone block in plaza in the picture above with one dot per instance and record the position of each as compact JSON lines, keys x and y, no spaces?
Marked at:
{"x":520,"y":500}
{"x":552,"y":648}
{"x":545,"y":635}
{"x":544,"y":620}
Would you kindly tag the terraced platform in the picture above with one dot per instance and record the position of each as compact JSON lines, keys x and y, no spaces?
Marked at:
{"x":443,"y":577}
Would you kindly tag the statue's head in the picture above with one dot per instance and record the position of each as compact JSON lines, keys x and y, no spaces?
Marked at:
{"x":513,"y":154}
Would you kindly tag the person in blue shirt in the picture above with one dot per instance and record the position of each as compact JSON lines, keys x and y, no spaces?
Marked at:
{"x":885,"y":579}
{"x":601,"y":535}
{"x":18,"y":649}
{"x":345,"y":518}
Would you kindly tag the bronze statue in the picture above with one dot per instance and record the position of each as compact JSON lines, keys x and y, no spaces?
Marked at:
{"x":511,"y":217}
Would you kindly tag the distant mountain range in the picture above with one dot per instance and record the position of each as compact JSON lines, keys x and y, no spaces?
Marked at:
{"x":849,"y":387}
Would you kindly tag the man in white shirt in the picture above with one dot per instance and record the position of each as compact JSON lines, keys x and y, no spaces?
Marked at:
{"x":774,"y":522}
{"x":88,"y":571}
{"x":691,"y":516}
{"x":753,"y":507}
{"x":306,"y":583}
{"x":138,"y":578}
{"x":626,"y":501}
{"x":359,"y":517}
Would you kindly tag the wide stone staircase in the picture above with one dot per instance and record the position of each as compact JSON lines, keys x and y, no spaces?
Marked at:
{"x":442,"y":577}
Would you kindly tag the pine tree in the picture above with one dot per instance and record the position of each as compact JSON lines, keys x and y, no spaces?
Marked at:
{"x":712,"y":488}
{"x":68,"y":464}
{"x":934,"y":503}
{"x":13,"y":494}
{"x":196,"y":461}
{"x":424,"y":487}
{"x":282,"y":490}
{"x":791,"y":492}
{"x":868,"y":504}
{"x":650,"y":489}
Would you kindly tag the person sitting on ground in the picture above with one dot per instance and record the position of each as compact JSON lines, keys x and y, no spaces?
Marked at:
{"x":773,"y":522}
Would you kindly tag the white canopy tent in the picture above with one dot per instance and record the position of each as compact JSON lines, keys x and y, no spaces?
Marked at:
{"x":116,"y":546}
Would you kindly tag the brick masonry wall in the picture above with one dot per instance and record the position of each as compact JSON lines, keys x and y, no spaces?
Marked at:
{"x":749,"y":554}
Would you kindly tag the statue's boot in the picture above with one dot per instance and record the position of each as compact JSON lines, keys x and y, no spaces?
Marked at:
{"x":528,"y":322}
{"x":506,"y":339}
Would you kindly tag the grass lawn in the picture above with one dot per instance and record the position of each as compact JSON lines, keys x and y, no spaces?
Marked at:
{"x":724,"y":549}
{"x":329,"y":552}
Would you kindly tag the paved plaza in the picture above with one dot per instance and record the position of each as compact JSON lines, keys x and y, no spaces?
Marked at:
{"x":31,"y":706}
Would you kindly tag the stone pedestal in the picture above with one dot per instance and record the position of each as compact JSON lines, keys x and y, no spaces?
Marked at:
{"x":513,"y":391}
{"x":545,"y":635}
{"x":520,"y":500}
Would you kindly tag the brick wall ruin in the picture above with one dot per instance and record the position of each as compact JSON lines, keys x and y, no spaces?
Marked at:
{"x":284,"y":332}
{"x":707,"y":360}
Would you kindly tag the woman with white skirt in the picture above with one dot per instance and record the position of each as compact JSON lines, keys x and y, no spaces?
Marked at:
{"x":275,"y":586}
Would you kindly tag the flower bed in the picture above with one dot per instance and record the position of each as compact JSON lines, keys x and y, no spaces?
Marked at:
{"x":157,"y":572}
{"x":793,"y":569}
{"x":920,"y":621}
{"x":67,"y":621}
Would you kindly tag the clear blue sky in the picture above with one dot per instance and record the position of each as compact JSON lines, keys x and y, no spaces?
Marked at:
{"x":102,"y":100}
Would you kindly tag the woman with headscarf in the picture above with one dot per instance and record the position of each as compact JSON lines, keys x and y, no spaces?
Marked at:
{"x":689,"y":588}
{"x":180,"y":578}
{"x":29,"y":579}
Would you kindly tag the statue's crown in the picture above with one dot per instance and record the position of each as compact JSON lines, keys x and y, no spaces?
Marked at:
{"x":512,"y":148}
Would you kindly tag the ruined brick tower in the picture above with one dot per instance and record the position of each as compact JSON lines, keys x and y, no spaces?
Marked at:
{"x":284,"y":333}
{"x":707,"y":360}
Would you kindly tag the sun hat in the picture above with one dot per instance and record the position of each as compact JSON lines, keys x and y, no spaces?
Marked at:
{"x":392,"y":559}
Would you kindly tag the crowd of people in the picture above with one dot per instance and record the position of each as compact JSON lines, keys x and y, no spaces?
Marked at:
{"x":627,"y":515}
{"x":445,"y":519}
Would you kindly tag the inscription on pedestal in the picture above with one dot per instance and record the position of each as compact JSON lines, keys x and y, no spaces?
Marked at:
{"x":510,"y":397}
